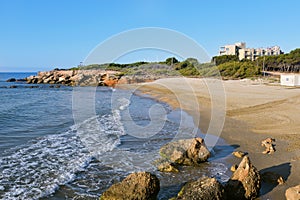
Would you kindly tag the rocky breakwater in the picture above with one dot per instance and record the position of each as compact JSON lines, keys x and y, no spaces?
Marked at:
{"x":77,"y":78}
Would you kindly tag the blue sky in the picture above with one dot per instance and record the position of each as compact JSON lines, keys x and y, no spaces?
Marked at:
{"x":44,"y":34}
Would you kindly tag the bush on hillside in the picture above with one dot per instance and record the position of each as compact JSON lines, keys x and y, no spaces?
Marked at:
{"x":239,"y":69}
{"x":218,"y":60}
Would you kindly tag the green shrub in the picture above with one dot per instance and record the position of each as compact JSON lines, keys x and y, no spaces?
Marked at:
{"x":218,"y":60}
{"x":171,"y":61}
{"x":284,"y":63}
{"x":239,"y":69}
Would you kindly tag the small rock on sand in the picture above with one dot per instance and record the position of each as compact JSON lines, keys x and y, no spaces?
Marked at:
{"x":233,"y":168}
{"x":239,"y":154}
{"x":268,"y":144}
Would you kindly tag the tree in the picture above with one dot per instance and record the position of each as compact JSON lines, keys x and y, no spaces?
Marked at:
{"x":193,"y":61}
{"x":218,"y":60}
{"x":172,"y":60}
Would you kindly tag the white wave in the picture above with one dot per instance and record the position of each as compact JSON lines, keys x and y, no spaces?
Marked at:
{"x":39,"y":169}
{"x":123,"y":103}
{"x":101,"y":134}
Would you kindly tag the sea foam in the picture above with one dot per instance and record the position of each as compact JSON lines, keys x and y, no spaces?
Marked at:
{"x":38,"y":169}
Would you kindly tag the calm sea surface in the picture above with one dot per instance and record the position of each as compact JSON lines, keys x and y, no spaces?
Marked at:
{"x":44,"y":154}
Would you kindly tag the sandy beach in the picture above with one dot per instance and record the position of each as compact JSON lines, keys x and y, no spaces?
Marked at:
{"x":251,"y":111}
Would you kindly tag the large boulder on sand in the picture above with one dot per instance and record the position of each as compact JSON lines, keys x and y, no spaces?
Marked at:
{"x":293,"y":193}
{"x":203,"y":189}
{"x":245,"y":182}
{"x":186,"y":152}
{"x":142,"y":186}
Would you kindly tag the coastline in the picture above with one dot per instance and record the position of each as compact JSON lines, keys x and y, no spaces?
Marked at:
{"x":254,"y":111}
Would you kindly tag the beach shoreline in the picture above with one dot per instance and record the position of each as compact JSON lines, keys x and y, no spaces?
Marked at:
{"x":254,"y":111}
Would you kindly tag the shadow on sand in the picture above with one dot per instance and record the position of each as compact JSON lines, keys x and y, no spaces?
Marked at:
{"x":271,"y":174}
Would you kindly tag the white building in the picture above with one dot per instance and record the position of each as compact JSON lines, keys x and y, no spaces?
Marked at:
{"x":290,"y":79}
{"x":231,"y":49}
{"x":239,"y":49}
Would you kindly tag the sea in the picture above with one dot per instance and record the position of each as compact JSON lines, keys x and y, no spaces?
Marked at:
{"x":75,"y":142}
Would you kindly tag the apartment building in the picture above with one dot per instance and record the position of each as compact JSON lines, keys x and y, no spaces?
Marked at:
{"x":239,"y":49}
{"x":232,"y":49}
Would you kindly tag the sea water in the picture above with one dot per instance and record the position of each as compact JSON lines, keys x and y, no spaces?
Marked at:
{"x":46,"y":154}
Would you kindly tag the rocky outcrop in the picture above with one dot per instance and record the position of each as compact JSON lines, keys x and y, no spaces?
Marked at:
{"x":77,"y":78}
{"x":186,"y":152}
{"x":245,"y":182}
{"x":293,"y":193}
{"x":142,"y":186}
{"x":203,"y":189}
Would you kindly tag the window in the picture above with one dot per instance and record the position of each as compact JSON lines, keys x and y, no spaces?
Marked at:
{"x":287,"y":79}
{"x":227,"y":49}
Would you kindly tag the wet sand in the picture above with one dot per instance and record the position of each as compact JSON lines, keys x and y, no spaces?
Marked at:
{"x":252,"y":112}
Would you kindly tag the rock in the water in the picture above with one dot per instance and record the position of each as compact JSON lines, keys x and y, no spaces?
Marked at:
{"x":167,"y":167}
{"x":33,"y":86}
{"x":239,"y":154}
{"x":11,"y":80}
{"x":142,"y":185}
{"x":203,"y":189}
{"x":186,"y":152}
{"x":245,"y":182}
{"x":293,"y":193}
